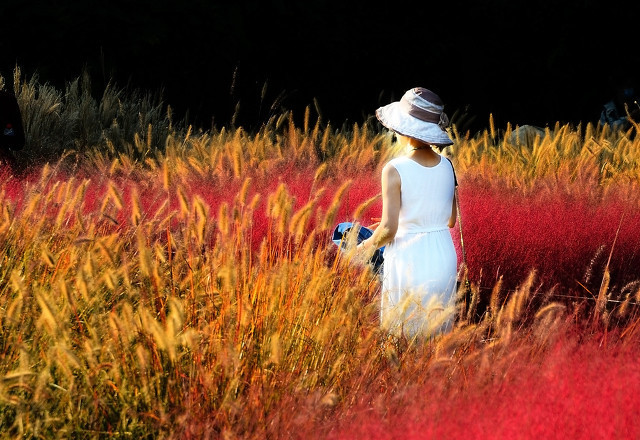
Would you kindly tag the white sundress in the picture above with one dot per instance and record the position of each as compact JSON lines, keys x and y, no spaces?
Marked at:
{"x":420,"y":264}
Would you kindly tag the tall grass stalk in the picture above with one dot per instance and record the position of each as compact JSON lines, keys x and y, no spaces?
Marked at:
{"x":183,"y":285}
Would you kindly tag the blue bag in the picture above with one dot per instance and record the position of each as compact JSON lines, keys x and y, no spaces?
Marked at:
{"x":339,"y":238}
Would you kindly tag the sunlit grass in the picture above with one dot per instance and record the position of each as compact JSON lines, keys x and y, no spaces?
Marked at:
{"x":191,"y":290}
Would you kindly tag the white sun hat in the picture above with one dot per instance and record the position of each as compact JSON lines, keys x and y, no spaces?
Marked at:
{"x":419,"y":115}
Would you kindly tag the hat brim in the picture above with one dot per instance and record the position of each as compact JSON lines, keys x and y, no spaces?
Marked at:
{"x":392,"y":117}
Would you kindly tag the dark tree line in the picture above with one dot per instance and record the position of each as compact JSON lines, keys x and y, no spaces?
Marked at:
{"x":525,"y":62}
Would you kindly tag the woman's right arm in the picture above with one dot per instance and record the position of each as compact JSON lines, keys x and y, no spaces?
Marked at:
{"x":386,"y":230}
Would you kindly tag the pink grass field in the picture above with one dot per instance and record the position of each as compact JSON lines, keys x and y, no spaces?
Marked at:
{"x":584,"y":385}
{"x":566,"y":237}
{"x":576,"y":390}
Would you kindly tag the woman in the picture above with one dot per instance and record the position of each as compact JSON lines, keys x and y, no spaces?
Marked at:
{"x":418,"y":208}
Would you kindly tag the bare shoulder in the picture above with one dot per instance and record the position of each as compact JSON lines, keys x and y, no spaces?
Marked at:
{"x":389,"y":168}
{"x":390,"y":173}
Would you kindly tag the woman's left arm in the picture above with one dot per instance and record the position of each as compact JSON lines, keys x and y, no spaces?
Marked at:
{"x":454,"y":210}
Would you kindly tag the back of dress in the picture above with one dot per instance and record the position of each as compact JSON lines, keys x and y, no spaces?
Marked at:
{"x":420,"y":266}
{"x":427,"y":195}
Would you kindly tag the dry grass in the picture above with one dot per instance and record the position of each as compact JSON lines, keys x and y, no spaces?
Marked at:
{"x":183,"y":291}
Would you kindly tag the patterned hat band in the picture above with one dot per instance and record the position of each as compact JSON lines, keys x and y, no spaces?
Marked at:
{"x":414,"y":104}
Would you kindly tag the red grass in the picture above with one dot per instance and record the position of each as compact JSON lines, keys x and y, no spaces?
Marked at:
{"x":566,"y":238}
{"x":577,"y":390}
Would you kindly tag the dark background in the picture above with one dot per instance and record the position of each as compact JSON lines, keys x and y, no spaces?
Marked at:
{"x":533,"y":62}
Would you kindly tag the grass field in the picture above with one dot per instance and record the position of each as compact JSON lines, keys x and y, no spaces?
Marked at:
{"x":164,"y":282}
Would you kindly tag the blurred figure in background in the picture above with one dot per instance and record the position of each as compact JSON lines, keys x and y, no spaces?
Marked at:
{"x":614,"y":111}
{"x":11,"y":129}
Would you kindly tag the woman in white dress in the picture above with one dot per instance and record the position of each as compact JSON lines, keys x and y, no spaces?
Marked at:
{"x":418,"y":208}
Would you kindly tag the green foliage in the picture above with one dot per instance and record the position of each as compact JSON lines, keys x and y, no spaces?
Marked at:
{"x":73,"y":122}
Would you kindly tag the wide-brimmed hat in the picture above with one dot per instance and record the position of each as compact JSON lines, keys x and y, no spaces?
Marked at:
{"x":419,"y":115}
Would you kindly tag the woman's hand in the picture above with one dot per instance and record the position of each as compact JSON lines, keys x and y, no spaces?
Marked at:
{"x":377,"y":222}
{"x":362,"y":253}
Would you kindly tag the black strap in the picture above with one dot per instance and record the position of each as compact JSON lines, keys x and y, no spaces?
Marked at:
{"x":455,"y":179}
